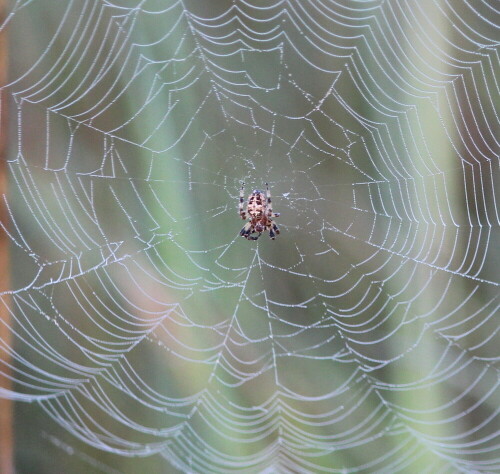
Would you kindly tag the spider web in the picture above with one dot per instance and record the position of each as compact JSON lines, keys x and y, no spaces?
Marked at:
{"x":364,"y":338}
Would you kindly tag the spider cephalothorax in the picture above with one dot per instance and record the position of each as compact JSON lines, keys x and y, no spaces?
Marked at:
{"x":260,"y":214}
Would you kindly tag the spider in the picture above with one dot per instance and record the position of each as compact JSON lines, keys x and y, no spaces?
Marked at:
{"x":260,"y":213}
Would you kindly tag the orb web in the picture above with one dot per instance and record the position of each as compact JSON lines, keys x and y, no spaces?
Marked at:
{"x":363,"y":339}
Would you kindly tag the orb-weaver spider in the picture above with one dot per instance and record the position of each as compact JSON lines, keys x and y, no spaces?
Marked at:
{"x":260,"y":214}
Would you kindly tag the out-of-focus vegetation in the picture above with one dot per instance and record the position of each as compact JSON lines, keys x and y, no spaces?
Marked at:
{"x":150,"y":337}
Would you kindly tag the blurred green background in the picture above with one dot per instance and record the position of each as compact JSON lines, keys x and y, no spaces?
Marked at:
{"x":149,"y":336}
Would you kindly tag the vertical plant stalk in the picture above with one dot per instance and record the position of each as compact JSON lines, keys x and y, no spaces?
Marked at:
{"x":6,"y":405}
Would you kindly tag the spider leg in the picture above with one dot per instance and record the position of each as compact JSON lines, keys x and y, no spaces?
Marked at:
{"x":243,"y":214}
{"x":247,"y":230}
{"x":269,"y":207}
{"x":273,"y":230}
